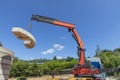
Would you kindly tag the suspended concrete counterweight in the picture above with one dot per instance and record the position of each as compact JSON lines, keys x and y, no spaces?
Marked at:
{"x":6,"y":59}
{"x":22,"y":34}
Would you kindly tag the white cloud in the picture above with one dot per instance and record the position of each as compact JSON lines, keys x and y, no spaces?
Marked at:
{"x":63,"y":37}
{"x":31,"y":58}
{"x":58,"y":57}
{"x":58,"y":47}
{"x":49,"y":51}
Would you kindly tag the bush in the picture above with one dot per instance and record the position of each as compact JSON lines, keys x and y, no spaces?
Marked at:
{"x":22,"y":78}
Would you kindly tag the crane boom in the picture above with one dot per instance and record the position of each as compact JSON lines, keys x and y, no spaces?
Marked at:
{"x":71,"y":28}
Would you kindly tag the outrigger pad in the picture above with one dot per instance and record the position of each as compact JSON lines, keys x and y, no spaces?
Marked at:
{"x":22,"y":34}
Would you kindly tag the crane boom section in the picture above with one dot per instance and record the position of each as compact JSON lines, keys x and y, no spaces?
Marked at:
{"x":52,"y":21}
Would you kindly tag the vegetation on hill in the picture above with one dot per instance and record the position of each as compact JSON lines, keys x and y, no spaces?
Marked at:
{"x":39,"y":67}
{"x":21,"y":68}
{"x":109,"y":58}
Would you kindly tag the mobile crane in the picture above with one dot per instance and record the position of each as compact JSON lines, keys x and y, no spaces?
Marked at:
{"x":83,"y":68}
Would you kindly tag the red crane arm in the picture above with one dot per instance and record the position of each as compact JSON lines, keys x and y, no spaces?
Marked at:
{"x":81,"y":51}
{"x":71,"y":27}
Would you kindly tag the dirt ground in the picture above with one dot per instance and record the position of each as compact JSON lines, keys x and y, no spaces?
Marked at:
{"x":46,"y":77}
{"x":58,"y":76}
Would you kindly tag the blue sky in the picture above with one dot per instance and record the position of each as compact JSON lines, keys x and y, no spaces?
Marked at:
{"x":97,"y":22}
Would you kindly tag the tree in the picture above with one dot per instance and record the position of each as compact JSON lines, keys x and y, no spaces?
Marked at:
{"x":106,"y":57}
{"x":98,"y":51}
{"x":69,"y":58}
{"x":1,"y":44}
{"x":54,"y":58}
{"x":116,"y":51}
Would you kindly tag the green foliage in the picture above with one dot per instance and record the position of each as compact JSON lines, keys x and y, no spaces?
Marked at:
{"x":22,"y":78}
{"x":22,"y":68}
{"x":69,"y":58}
{"x":109,"y":58}
{"x":54,"y":58}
